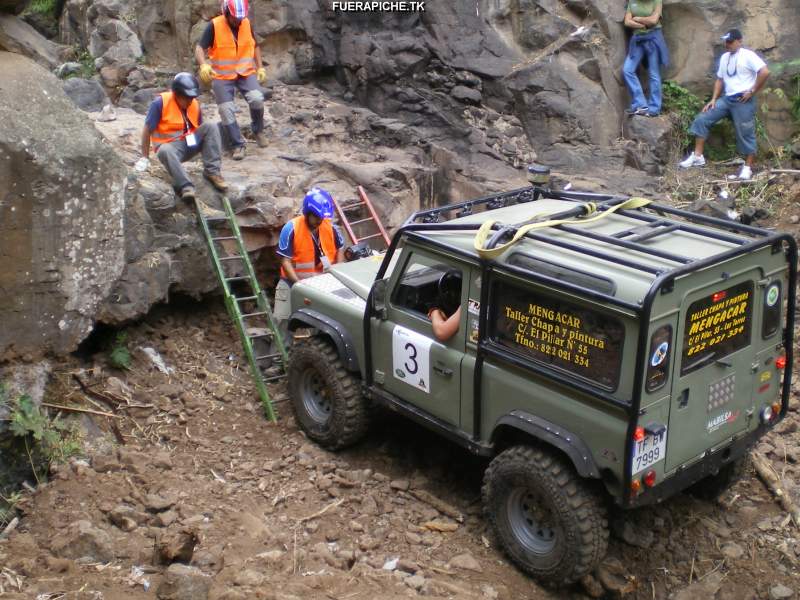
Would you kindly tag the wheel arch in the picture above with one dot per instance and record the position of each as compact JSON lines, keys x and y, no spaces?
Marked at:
{"x":329,"y":328}
{"x":521,"y":427}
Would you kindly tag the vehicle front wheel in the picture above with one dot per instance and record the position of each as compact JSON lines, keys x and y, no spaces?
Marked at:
{"x":326,"y":398}
{"x":545,"y":517}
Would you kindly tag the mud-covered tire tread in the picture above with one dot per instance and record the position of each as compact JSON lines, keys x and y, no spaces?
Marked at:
{"x":712,"y":487}
{"x":350,"y":413}
{"x":584,"y":513}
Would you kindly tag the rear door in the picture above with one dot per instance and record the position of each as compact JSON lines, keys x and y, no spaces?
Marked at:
{"x":712,"y":388}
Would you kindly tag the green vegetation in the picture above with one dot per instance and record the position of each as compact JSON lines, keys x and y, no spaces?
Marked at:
{"x":8,"y":505}
{"x":42,"y":7}
{"x":45,"y":440}
{"x":684,"y":105}
{"x":120,"y":355}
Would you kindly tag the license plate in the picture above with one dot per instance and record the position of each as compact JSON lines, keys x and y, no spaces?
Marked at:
{"x":649,"y":451}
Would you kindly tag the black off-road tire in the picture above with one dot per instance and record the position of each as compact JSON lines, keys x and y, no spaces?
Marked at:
{"x":546,"y":518}
{"x":327,"y":400}
{"x":712,"y":487}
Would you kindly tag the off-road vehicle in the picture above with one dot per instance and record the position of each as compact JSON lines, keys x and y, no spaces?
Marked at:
{"x":608,"y":348}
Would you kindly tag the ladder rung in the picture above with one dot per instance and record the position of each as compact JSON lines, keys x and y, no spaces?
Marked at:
{"x":235,"y":257}
{"x":244,"y":298}
{"x":351,"y":206}
{"x":368,"y":237}
{"x":240,"y":278}
{"x":259,"y":336}
{"x":214,"y":219}
{"x":255,"y":314}
{"x":275,"y":355}
{"x":274,"y":377}
{"x":361,"y":221}
{"x":224,"y":237}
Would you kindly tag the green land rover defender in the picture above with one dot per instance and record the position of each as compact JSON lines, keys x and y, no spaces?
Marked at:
{"x":608,"y":349}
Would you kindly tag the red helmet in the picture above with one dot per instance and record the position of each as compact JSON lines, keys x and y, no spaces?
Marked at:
{"x":238,"y":9}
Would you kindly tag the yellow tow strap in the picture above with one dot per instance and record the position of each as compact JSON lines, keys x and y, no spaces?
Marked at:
{"x":485,"y":232}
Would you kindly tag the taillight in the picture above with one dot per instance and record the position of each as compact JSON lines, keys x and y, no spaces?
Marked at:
{"x":649,"y":478}
{"x":776,"y":409}
{"x":638,"y":434}
{"x":780,"y":362}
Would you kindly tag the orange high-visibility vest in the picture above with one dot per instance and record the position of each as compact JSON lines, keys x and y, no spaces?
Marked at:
{"x":303,"y":258}
{"x":171,"y":126}
{"x":232,"y":58}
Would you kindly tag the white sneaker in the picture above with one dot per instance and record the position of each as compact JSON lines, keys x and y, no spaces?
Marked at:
{"x":693,"y":161}
{"x":746,"y":173}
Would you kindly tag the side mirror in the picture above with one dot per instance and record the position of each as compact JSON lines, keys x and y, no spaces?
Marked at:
{"x":379,"y":298}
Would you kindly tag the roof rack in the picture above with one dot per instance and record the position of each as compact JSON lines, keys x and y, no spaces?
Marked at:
{"x":652,"y":226}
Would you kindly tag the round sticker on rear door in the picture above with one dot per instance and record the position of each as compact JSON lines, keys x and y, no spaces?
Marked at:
{"x":773,"y":293}
{"x":659,"y":354}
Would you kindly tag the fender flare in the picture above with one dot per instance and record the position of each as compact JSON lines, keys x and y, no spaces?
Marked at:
{"x":305,"y":317}
{"x":542,"y":429}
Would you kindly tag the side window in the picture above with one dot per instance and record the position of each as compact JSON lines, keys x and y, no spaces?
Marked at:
{"x":427,"y":283}
{"x":546,"y":329}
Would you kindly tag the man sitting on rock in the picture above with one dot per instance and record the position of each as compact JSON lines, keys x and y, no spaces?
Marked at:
{"x":235,"y":65}
{"x":174,"y":124}
{"x":740,"y":75}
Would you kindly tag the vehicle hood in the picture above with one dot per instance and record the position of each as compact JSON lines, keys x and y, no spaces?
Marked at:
{"x":358,"y":275}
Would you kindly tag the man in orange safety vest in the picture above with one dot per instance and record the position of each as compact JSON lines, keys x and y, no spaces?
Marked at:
{"x":174,"y":126}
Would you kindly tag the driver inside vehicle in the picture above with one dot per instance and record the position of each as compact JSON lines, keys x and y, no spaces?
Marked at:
{"x":445,"y":317}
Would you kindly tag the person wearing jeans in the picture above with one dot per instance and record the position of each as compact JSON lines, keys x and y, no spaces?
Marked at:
{"x":740,"y":75}
{"x":174,"y":126}
{"x":647,"y":44}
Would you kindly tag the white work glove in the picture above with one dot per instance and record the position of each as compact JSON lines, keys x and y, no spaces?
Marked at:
{"x":142,"y":165}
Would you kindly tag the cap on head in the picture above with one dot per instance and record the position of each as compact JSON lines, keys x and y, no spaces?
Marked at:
{"x":732,"y":35}
{"x":318,"y":202}
{"x":237,"y":9}
{"x":186,"y":84}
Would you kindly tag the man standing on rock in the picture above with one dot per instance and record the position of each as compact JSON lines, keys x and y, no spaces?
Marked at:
{"x":235,"y":64}
{"x":174,"y":125}
{"x":308,"y":245}
{"x":741,"y":74}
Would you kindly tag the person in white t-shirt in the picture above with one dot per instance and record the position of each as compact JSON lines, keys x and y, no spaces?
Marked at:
{"x":740,"y":75}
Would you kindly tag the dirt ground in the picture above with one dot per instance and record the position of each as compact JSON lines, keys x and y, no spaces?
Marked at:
{"x":195,"y":465}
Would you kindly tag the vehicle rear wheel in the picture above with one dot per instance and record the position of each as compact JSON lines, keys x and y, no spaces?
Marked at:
{"x":546,"y":518}
{"x":327,"y":400}
{"x":713,"y":486}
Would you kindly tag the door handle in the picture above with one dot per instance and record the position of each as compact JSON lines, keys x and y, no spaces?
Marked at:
{"x":442,"y":370}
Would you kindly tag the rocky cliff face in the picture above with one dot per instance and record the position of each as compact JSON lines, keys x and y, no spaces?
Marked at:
{"x":61,"y":214}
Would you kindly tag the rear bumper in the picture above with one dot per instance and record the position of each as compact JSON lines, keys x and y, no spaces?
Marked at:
{"x":709,"y":465}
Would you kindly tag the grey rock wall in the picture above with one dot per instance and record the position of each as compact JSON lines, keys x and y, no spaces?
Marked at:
{"x":61,"y":214}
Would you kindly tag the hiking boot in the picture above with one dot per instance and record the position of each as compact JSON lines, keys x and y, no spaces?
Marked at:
{"x":217,"y":181}
{"x":261,"y":139}
{"x":187,"y":193}
{"x":238,"y":153}
{"x":693,"y":161}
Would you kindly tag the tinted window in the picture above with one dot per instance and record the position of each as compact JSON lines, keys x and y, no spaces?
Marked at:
{"x":562,"y":273}
{"x":716,"y":326}
{"x":559,"y":334}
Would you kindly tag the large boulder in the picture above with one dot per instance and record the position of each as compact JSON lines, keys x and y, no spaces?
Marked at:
{"x":17,"y":36}
{"x":61,"y":214}
{"x":87,"y":94}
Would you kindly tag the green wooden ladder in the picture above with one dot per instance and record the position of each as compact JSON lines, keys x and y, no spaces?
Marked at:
{"x":233,"y":303}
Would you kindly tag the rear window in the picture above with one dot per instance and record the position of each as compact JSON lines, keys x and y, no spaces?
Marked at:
{"x":565,"y":336}
{"x":717,"y":325}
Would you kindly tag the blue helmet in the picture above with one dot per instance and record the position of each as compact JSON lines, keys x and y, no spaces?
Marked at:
{"x":318,"y":202}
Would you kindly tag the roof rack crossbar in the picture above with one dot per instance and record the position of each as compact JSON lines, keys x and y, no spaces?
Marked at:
{"x":518,"y":196}
{"x":690,"y":228}
{"x":595,"y":253}
{"x":706,"y":220}
{"x":657,"y":230}
{"x":630,"y":245}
